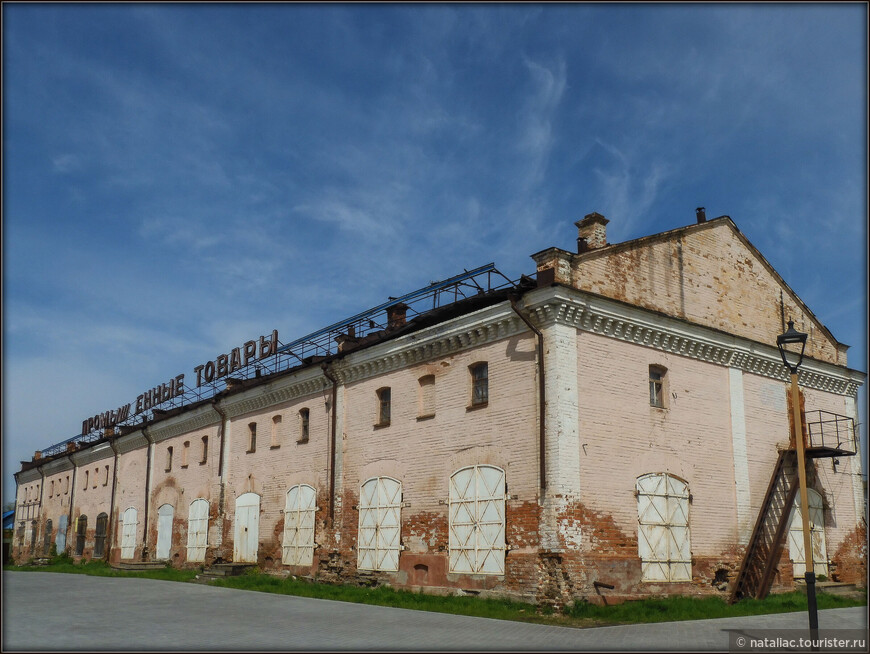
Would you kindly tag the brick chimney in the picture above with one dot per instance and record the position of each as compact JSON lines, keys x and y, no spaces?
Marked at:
{"x":591,"y":232}
{"x":396,"y":315}
{"x":701,"y":215}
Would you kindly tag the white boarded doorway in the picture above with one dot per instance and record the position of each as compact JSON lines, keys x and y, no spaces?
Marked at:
{"x":165,"y":516}
{"x":247,"y":532}
{"x":197,"y":530}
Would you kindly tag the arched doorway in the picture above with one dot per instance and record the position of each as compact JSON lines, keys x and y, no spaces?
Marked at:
{"x":165,"y":514}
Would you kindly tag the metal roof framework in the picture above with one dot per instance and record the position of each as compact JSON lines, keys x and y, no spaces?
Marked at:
{"x":321,"y":343}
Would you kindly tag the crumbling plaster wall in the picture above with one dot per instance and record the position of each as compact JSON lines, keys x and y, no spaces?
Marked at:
{"x":706,"y":275}
{"x":423,"y":452}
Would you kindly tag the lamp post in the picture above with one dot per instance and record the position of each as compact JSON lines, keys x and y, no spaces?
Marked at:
{"x":794,"y":338}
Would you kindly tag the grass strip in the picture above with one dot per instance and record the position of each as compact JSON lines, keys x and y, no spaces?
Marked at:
{"x":580,"y":614}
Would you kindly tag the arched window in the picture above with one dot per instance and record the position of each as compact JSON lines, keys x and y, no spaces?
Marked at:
{"x":100,"y":535}
{"x":81,"y":532}
{"x":663,"y":528}
{"x":476,"y":511}
{"x":60,"y":539}
{"x":197,"y":530}
{"x":299,"y":508}
{"x":46,"y":541}
{"x":380,"y":521}
{"x":128,"y":533}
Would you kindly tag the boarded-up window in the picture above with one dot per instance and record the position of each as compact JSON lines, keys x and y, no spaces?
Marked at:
{"x":663,"y":528}
{"x":817,"y":536}
{"x":197,"y":530}
{"x":426,"y":406}
{"x":274,"y":436}
{"x":476,"y":508}
{"x":299,"y":510}
{"x":380,"y":509}
{"x":81,"y":531}
{"x":60,"y":540}
{"x":100,"y":535}
{"x":128,"y":533}
{"x":165,"y":516}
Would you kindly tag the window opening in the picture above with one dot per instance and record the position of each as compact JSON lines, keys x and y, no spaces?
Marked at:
{"x":81,"y":530}
{"x":185,"y":454}
{"x":252,"y":437}
{"x":657,"y":386}
{"x":204,"y":450}
{"x":100,"y":535}
{"x":304,"y":415}
{"x":383,"y":407}
{"x":479,"y":384}
{"x":168,"y":459}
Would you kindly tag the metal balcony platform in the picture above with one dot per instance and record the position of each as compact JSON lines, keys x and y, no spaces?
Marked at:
{"x":829,"y":435}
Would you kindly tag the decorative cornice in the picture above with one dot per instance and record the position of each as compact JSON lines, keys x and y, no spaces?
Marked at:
{"x":197,"y":419}
{"x":91,"y":454}
{"x":130,"y":442}
{"x":305,"y":382}
{"x":57,"y":465}
{"x":599,"y":315}
{"x":478,"y":328}
{"x":26,"y":476}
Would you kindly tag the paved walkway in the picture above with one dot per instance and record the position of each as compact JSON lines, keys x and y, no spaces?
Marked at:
{"x":49,"y":611}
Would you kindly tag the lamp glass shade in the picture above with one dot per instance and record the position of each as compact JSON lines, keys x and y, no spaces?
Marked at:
{"x":792,"y":338}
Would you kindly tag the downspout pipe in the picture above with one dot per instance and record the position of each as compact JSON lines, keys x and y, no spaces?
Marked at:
{"x":150,"y":440}
{"x":332,"y":436}
{"x":542,"y":404}
{"x":222,"y":436}
{"x":72,"y":503}
{"x":39,"y":508}
{"x":110,"y":541}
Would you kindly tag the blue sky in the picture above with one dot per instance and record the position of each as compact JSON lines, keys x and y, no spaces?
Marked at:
{"x":179,"y":179}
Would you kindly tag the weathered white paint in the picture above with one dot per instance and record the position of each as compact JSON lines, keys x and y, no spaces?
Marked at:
{"x":817,"y":534}
{"x":745,"y":519}
{"x":129,"y":523}
{"x":60,"y":539}
{"x":477,"y":520}
{"x":247,"y":529}
{"x":197,"y":530}
{"x":380,"y":510}
{"x":299,"y":511}
{"x":165,"y":514}
{"x":663,"y":528}
{"x":855,"y":466}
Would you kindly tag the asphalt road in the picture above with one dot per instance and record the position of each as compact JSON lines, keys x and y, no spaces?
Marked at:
{"x":49,"y":611}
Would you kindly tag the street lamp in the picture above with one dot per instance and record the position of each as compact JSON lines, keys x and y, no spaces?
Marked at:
{"x":793,"y":338}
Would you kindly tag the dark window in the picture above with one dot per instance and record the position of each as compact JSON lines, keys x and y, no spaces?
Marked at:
{"x":33,"y":526}
{"x":479,"y":384}
{"x":46,"y":541}
{"x":168,"y":459}
{"x":100,"y":535}
{"x":304,"y":415}
{"x":204,"y":450}
{"x":657,"y":386}
{"x":383,"y":407}
{"x":81,"y":531}
{"x":252,"y":428}
{"x":106,"y":482}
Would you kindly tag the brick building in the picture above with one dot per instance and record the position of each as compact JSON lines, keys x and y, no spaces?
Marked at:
{"x":607,"y":429}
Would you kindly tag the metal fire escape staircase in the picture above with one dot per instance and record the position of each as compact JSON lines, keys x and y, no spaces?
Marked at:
{"x":828,"y":435}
